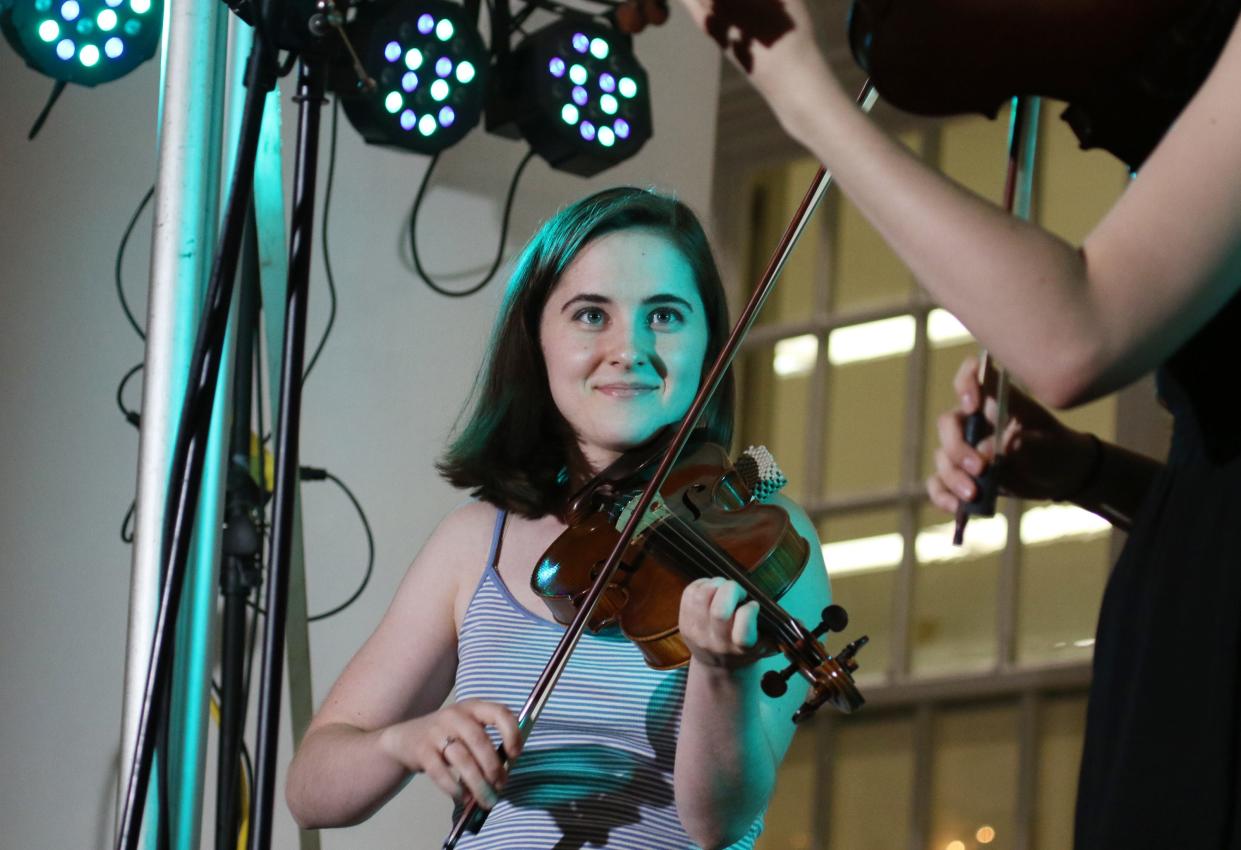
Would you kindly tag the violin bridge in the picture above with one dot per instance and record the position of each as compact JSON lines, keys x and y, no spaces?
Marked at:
{"x":658,"y":510}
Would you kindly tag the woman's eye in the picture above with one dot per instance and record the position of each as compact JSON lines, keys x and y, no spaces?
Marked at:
{"x":590,"y":316}
{"x":666,"y":316}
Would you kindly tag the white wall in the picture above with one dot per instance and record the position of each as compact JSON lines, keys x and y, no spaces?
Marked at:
{"x":377,"y":410}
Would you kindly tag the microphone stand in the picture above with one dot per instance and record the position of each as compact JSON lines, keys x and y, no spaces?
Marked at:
{"x":310,"y":96}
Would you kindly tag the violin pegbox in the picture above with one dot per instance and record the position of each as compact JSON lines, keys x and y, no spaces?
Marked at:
{"x":760,"y":473}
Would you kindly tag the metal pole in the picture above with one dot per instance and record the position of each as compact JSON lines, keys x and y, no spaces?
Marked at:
{"x":189,"y":456}
{"x":184,"y":219}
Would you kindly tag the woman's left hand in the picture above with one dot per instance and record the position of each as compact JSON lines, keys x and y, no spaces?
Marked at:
{"x":771,"y":41}
{"x":720,"y":629}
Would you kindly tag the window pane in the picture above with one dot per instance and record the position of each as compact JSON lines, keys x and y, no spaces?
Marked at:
{"x":943,"y":362}
{"x":974,"y":778}
{"x":1062,"y":724}
{"x":862,"y":550}
{"x":973,"y":151}
{"x":1075,"y":187}
{"x":773,"y":412}
{"x":955,"y":591}
{"x":777,"y":194}
{"x":1061,"y":583}
{"x":872,"y":773}
{"x":865,"y":424}
{"x":865,"y":272}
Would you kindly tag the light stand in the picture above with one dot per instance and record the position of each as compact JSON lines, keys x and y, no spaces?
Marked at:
{"x":190,"y":446}
{"x":241,"y":572}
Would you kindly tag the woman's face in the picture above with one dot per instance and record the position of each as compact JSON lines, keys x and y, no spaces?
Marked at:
{"x":624,"y":334}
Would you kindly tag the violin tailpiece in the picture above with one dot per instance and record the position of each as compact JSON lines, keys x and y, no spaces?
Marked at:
{"x":760,"y":473}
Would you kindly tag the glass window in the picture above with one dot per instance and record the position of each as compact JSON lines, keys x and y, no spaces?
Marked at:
{"x":974,"y":779}
{"x":1062,"y":724}
{"x":864,"y":427}
{"x":862,"y":554}
{"x":775,"y":400}
{"x":955,"y":593}
{"x":865,"y":273}
{"x":1066,"y":556}
{"x":872,"y":780}
{"x":777,"y":194}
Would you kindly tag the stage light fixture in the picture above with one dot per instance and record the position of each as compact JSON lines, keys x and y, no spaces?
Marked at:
{"x":577,"y":93}
{"x":87,"y":42}
{"x":431,"y":67}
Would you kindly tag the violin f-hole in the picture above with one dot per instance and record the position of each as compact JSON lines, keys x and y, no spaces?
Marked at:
{"x":690,"y":506}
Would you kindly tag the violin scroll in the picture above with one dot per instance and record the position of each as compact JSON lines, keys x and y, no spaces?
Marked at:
{"x":831,"y":679}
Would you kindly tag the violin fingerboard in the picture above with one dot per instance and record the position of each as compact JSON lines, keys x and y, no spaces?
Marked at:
{"x":760,"y":473}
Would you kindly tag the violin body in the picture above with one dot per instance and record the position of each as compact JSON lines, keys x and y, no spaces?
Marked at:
{"x":705,"y":512}
{"x":1125,"y":67}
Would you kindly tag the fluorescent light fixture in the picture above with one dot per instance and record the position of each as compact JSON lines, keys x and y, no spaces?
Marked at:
{"x":871,"y":340}
{"x":943,"y":329}
{"x":986,"y":536}
{"x":864,"y":554}
{"x":1050,"y":523}
{"x":795,"y":356}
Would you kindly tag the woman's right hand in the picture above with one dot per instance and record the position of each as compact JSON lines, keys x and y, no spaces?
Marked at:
{"x":1043,"y":458}
{"x":452,"y":747}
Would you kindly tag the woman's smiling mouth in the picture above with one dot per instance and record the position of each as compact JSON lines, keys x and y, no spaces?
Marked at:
{"x":625,"y":390}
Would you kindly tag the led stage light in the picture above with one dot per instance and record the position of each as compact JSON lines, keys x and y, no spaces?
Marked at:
{"x":578,"y":95}
{"x":83,"y":41}
{"x":431,"y":67}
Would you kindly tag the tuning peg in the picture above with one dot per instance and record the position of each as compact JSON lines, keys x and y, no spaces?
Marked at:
{"x":845,"y":658}
{"x":775,"y":683}
{"x":833,"y":619}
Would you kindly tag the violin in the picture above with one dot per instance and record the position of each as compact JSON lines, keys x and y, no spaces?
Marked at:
{"x":705,"y":522}
{"x":1125,"y":67}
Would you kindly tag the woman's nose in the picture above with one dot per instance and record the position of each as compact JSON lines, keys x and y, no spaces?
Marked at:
{"x":631,"y":347}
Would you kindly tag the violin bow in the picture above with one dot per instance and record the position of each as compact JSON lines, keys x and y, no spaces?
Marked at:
{"x":472,"y":816}
{"x":1018,"y":191}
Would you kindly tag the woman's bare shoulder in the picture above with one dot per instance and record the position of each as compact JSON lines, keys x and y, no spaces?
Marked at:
{"x":456,"y":552}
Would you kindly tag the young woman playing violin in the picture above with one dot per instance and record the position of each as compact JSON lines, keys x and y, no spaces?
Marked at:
{"x":613,"y":310}
{"x":1153,"y":286}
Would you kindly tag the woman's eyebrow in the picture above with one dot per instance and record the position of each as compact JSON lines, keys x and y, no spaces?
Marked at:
{"x":661,"y":298}
{"x":586,"y":298}
{"x":669,"y":299}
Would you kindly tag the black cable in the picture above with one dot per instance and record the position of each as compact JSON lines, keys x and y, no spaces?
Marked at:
{"x":413,"y":230}
{"x":370,"y":546}
{"x":327,"y":259}
{"x":311,"y":473}
{"x":120,"y":256}
{"x":57,"y":91}
{"x":127,"y":533}
{"x":315,"y":474}
{"x":131,"y":416}
{"x":245,"y":751}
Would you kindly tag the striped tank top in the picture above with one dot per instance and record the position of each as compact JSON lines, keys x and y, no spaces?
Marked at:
{"x":597,"y":768}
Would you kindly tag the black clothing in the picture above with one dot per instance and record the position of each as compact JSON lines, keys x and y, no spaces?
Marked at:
{"x":1161,"y":766}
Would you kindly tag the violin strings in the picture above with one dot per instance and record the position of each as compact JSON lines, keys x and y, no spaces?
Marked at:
{"x":695,"y":549}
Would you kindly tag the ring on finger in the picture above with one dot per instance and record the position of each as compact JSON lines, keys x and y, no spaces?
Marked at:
{"x":449,"y":740}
